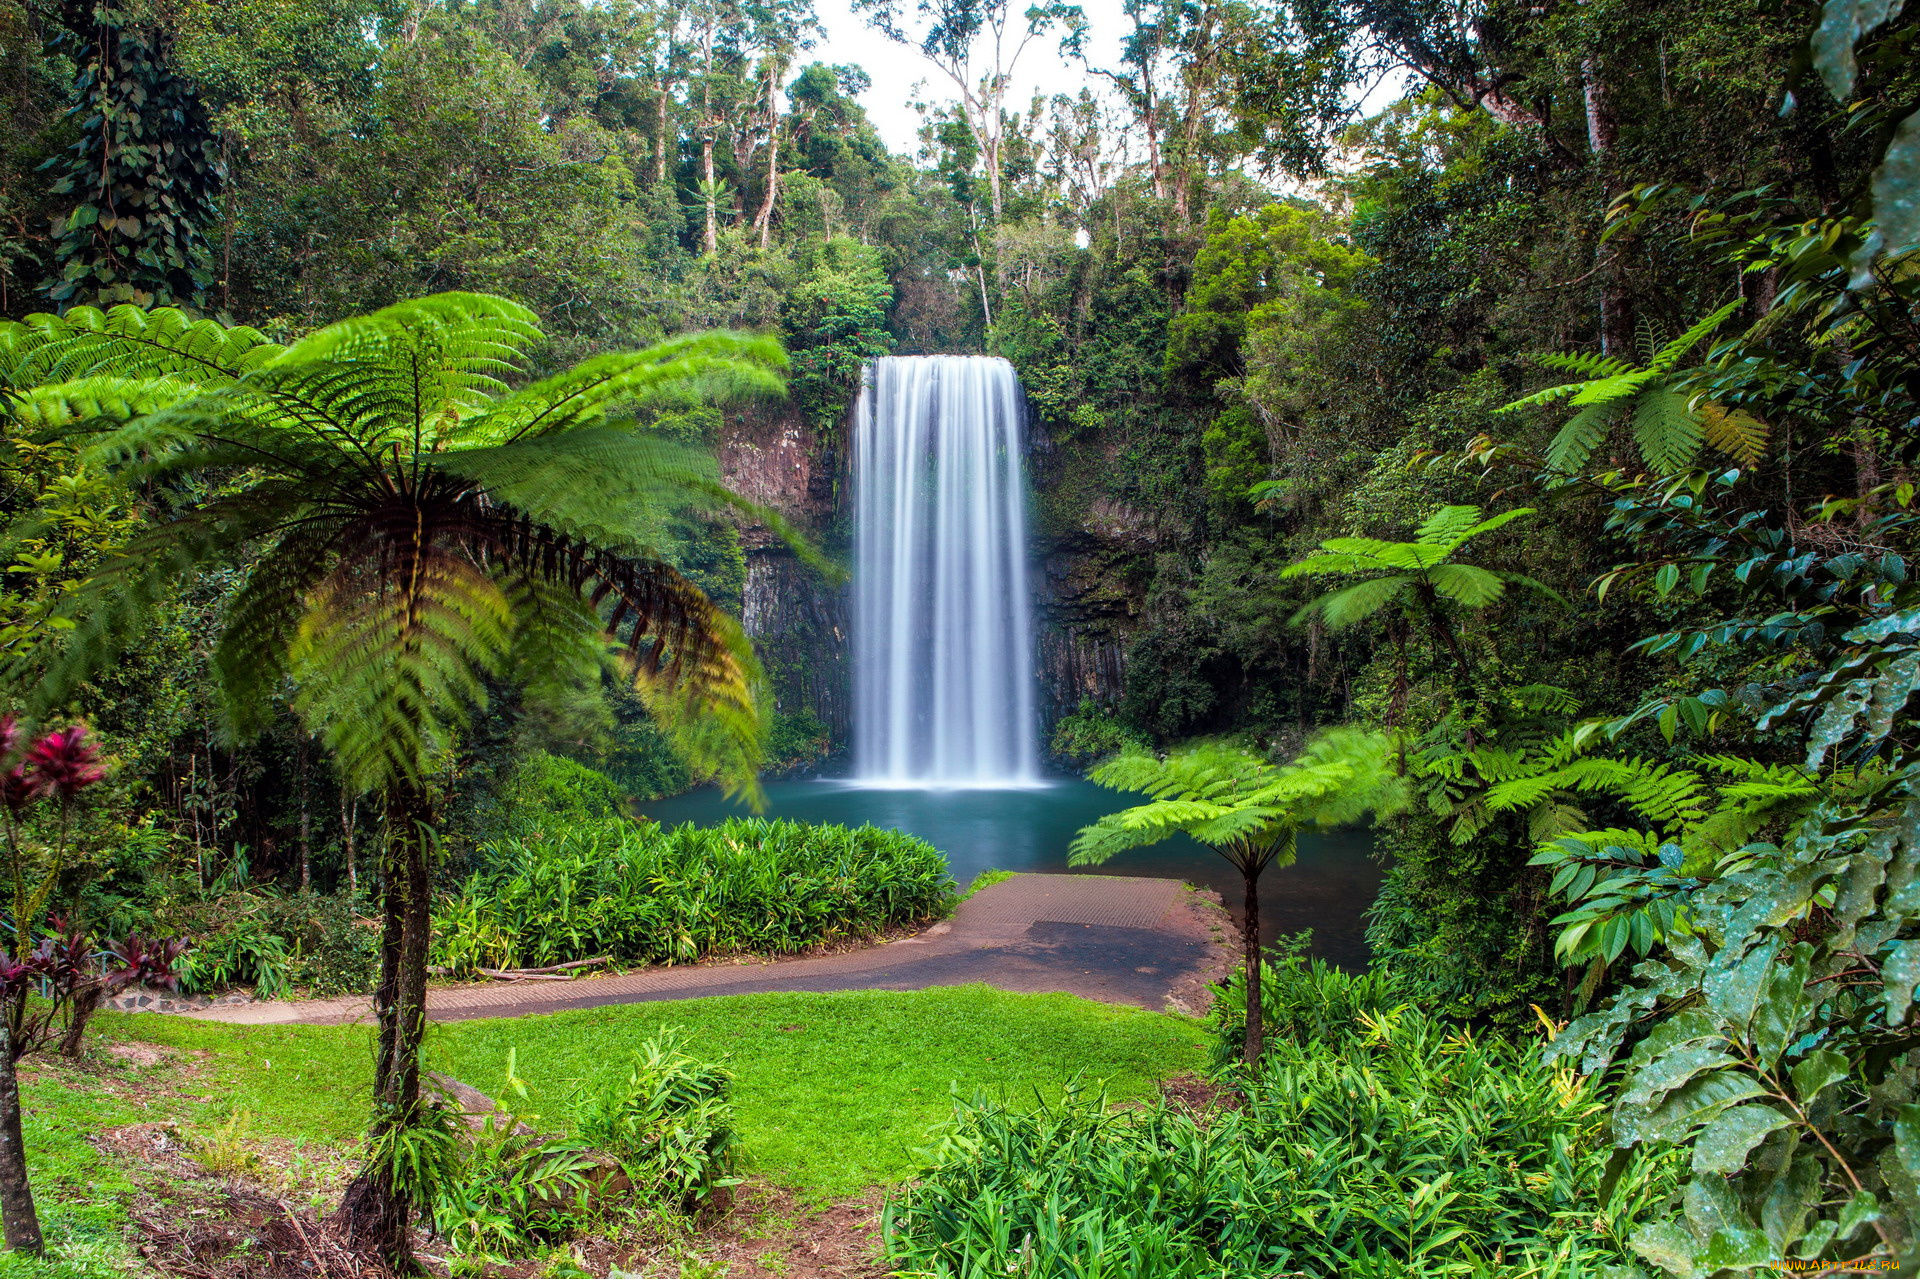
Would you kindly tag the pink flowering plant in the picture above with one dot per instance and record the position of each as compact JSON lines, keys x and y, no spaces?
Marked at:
{"x":41,"y":782}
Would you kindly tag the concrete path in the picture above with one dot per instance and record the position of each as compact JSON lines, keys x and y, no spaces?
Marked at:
{"x":1147,"y":942}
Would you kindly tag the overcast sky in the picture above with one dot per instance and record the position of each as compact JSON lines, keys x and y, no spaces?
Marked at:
{"x":895,"y":69}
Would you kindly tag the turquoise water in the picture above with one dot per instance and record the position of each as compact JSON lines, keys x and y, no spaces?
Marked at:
{"x":1327,"y":889}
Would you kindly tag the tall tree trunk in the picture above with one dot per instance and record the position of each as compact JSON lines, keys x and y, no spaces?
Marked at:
{"x":1250,"y":951}
{"x":660,"y":140}
{"x":306,"y":813}
{"x":711,"y":239}
{"x":773,"y":165}
{"x":1603,"y":135}
{"x":375,"y":1213}
{"x":349,"y":815}
{"x":16,"y":1192}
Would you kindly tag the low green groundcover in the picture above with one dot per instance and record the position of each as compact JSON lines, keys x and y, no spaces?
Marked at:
{"x":645,"y":894}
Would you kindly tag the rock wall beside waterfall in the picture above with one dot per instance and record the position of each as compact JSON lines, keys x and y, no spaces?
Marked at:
{"x":797,"y":618}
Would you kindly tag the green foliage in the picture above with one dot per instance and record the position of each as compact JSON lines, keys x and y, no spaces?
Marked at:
{"x":668,"y":1119}
{"x":565,"y":890}
{"x":1306,"y":1001}
{"x":1416,"y":574}
{"x":140,"y":188}
{"x":547,"y":792}
{"x":1235,"y":801}
{"x":1667,"y":427}
{"x":1402,"y":1146}
{"x":1090,"y":733}
{"x":408,"y":405}
{"x":275,"y":943}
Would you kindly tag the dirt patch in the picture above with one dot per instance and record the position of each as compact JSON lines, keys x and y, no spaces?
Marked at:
{"x":1199,"y":1096}
{"x":135,"y":1053}
{"x":771,"y":1234}
{"x":1199,"y":916}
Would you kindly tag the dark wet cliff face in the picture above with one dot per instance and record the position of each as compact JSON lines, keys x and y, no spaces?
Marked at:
{"x":796,"y":616}
{"x":1092,"y":557}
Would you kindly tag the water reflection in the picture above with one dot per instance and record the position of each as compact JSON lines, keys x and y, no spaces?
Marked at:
{"x":1327,"y":889}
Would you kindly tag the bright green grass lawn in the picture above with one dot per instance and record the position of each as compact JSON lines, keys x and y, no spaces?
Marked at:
{"x":834,"y":1093}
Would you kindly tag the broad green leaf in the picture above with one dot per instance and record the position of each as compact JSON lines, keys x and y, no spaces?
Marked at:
{"x":1900,"y":973}
{"x":1669,"y":1245}
{"x":1777,"y":1019}
{"x":1734,"y":993}
{"x":1816,"y":1073}
{"x":1686,"y":1108}
{"x":1724,"y":1144}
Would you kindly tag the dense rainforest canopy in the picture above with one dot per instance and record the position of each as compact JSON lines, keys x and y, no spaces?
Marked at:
{"x":1554,"y":414}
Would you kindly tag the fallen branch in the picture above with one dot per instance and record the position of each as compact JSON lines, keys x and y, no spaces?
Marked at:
{"x":556,"y":968}
{"x":552,"y":972}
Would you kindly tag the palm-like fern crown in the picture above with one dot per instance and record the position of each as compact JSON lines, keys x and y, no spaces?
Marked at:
{"x":1669,"y":427}
{"x":1391,"y":571}
{"x":416,"y":527}
{"x":1227,"y":797}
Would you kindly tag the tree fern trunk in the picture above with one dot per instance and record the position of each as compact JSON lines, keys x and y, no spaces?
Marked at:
{"x":16,"y":1192}
{"x":1250,"y":950}
{"x":376,"y":1213}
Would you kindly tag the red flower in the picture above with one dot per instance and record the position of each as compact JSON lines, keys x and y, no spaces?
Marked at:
{"x":64,"y":764}
{"x":18,"y":788}
{"x":9,"y":735}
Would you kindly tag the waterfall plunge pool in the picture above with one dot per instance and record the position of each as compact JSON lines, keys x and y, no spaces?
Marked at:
{"x":1328,"y":888}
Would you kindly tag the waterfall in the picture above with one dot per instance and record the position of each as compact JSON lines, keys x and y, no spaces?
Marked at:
{"x":942,"y":627}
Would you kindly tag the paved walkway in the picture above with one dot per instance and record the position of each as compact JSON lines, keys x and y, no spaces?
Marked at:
{"x":1147,"y":942}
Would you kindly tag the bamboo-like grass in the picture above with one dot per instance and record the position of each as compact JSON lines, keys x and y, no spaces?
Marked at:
{"x":644,"y":894}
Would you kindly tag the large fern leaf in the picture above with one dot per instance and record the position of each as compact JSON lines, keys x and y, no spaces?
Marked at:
{"x":1666,"y":430}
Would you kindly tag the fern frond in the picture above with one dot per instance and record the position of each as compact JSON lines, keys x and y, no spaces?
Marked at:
{"x":1574,"y":444}
{"x":1351,"y":605}
{"x":87,"y":401}
{"x":1665,"y":429}
{"x":716,"y":367}
{"x":1591,"y":363}
{"x":1466,"y":584}
{"x":1735,"y":432}
{"x":1449,"y":526}
{"x":251,"y":658}
{"x":1669,"y":355}
{"x":387,"y":666}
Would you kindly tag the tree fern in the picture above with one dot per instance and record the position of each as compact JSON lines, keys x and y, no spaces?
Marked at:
{"x":415,"y":531}
{"x":1668,"y":429}
{"x":1245,"y":808}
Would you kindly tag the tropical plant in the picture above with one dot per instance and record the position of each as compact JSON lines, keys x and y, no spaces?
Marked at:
{"x":1302,"y":999}
{"x":413,"y":530}
{"x":1248,"y":810}
{"x":1402,"y":1147}
{"x":53,"y":770}
{"x":1422,"y":577}
{"x":1669,"y":424}
{"x":668,"y":1119}
{"x":641,"y":894}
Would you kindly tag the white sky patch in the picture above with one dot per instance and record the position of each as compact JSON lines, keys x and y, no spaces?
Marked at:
{"x":896,"y":70}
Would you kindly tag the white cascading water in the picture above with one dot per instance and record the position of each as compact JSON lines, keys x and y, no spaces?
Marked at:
{"x":942,"y":630}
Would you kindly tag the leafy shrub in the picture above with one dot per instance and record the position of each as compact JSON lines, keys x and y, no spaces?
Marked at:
{"x":647,"y":895}
{"x":276,"y":942}
{"x":544,"y":792}
{"x":507,"y":1189}
{"x":242,"y":951}
{"x":1090,"y":733}
{"x":1416,"y":1149}
{"x":660,"y":1132}
{"x":797,"y":741}
{"x":1303,"y":1000}
{"x":668,"y":1120}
